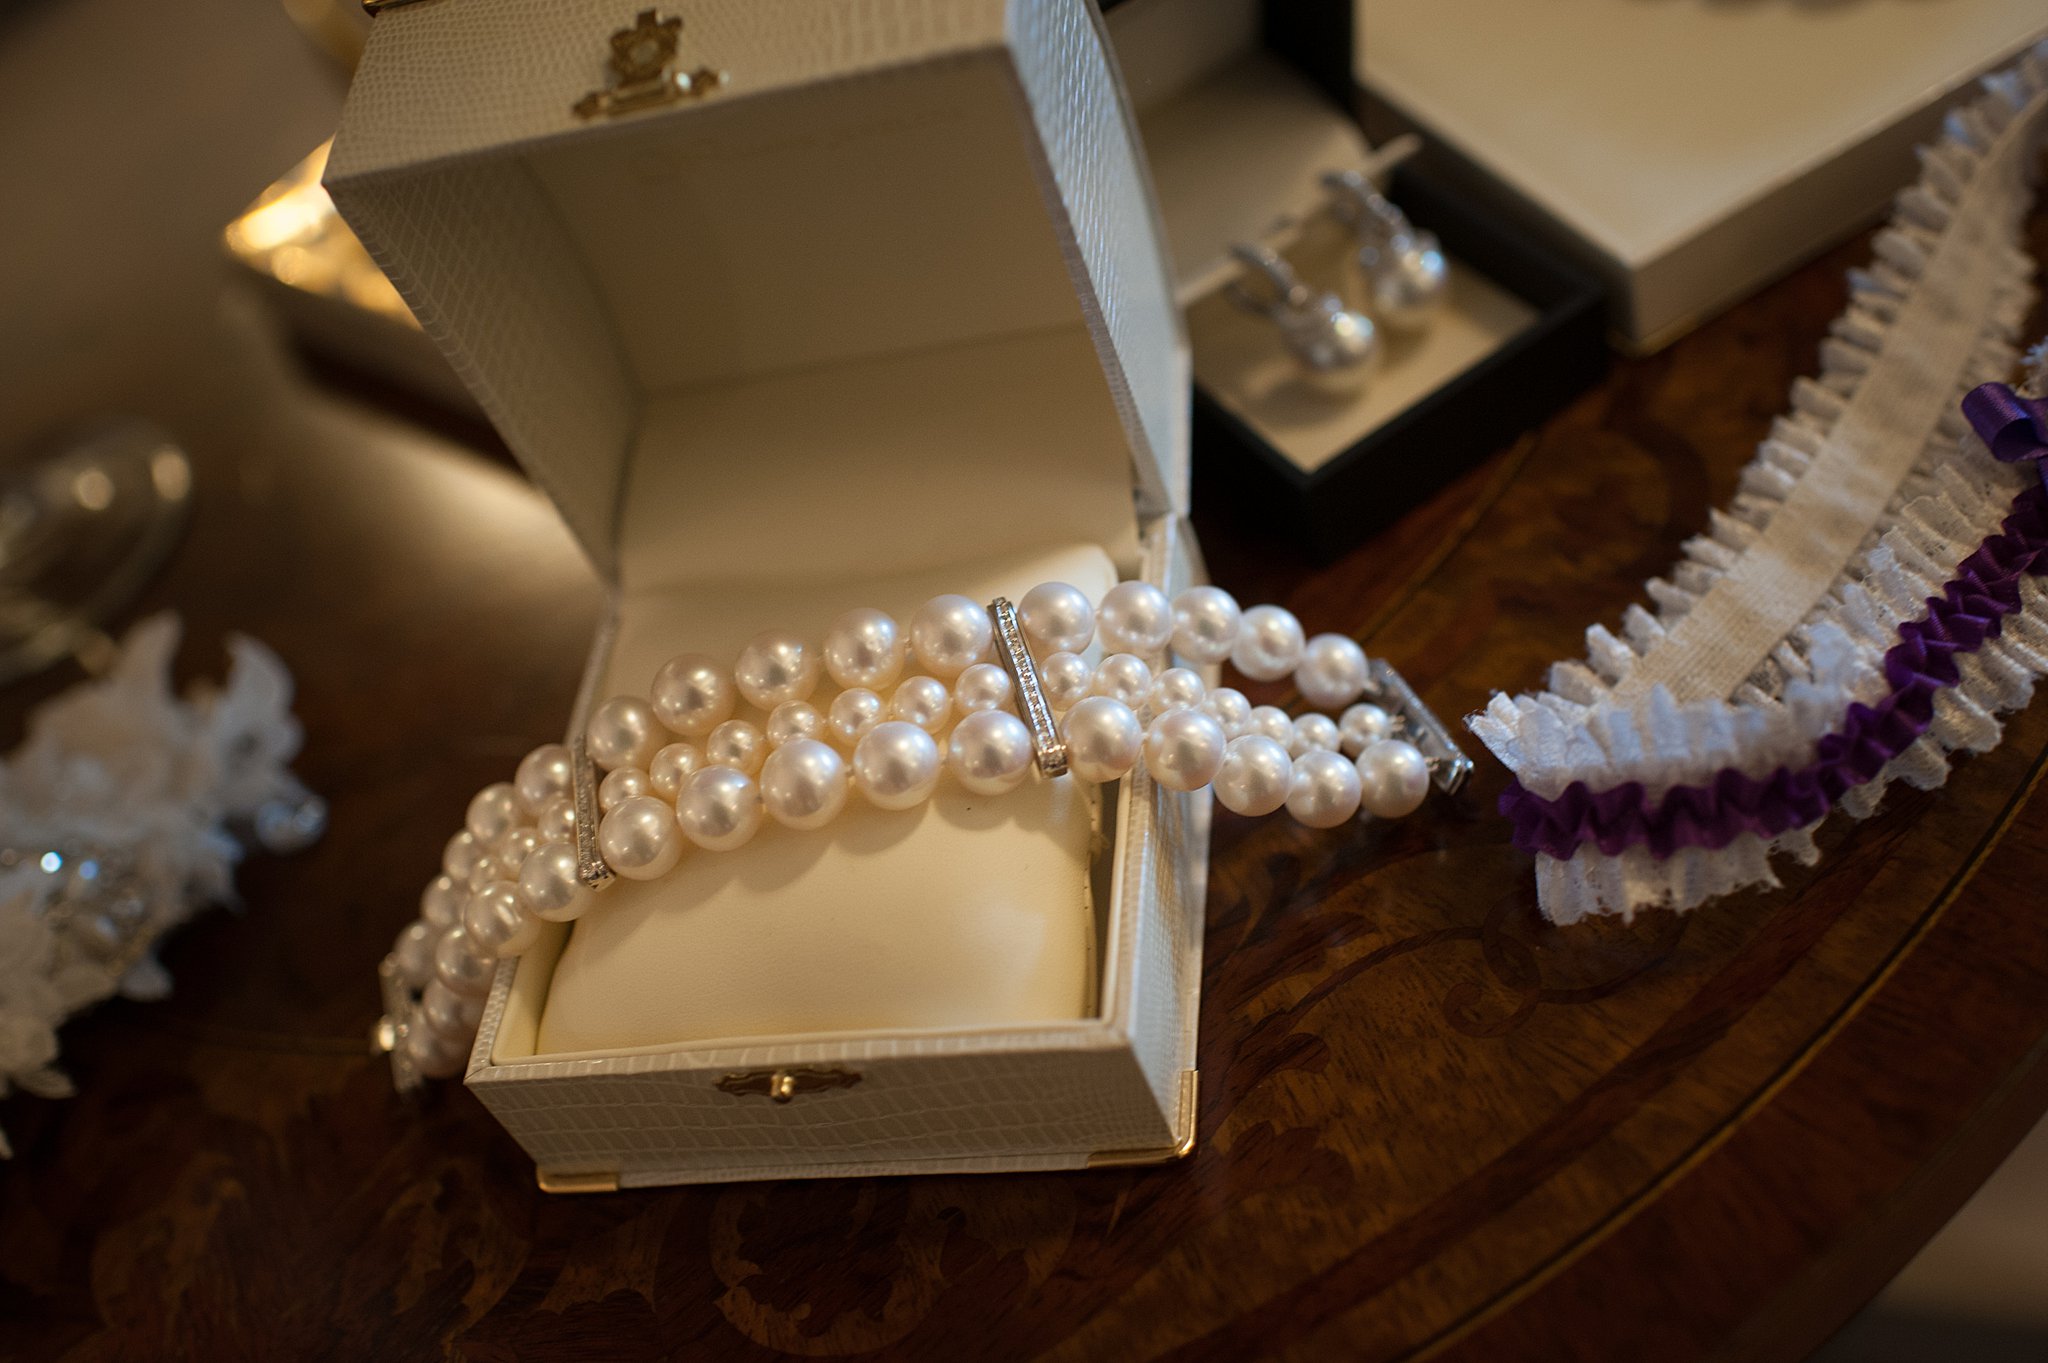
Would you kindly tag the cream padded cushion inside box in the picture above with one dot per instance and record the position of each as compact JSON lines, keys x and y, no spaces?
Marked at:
{"x":971,"y":912}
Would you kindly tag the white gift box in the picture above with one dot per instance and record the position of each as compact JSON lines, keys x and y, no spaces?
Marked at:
{"x":873,"y":305}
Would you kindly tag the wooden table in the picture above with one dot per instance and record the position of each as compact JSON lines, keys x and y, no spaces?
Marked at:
{"x":1430,"y":1124}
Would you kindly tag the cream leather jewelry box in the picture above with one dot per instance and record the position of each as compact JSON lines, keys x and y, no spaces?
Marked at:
{"x":794,"y":306}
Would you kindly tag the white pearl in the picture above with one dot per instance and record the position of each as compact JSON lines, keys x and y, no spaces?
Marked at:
{"x":639,"y":838}
{"x":804,"y":784}
{"x":1362,"y":726}
{"x":620,"y":786}
{"x":1065,"y":678}
{"x":983,"y":686}
{"x":794,"y":719}
{"x":923,"y":701}
{"x":864,"y":648}
{"x":1124,"y":677}
{"x":514,"y":848}
{"x":949,"y":634}
{"x":1176,"y":688}
{"x":498,"y":923}
{"x":449,"y":1013}
{"x":1228,"y":707}
{"x":414,"y":952}
{"x":545,"y":775}
{"x":670,"y":768}
{"x":1135,"y":617}
{"x":853,"y":713}
{"x":896,"y":765}
{"x":693,"y":695}
{"x":1312,"y":733}
{"x":1394,"y":777}
{"x":1057,"y":618}
{"x":1325,"y":789}
{"x":1272,"y":721}
{"x":1332,"y":672}
{"x":550,"y":887}
{"x":720,"y":809}
{"x":441,"y":902}
{"x":1255,"y":776}
{"x":493,"y":812}
{"x":458,"y":964}
{"x":776,"y":667}
{"x":736,"y":744}
{"x":488,"y":871}
{"x":990,"y":752}
{"x":1104,"y":739}
{"x":624,"y":732}
{"x":1268,"y":643}
{"x":459,"y":857}
{"x":1184,"y":749}
{"x":435,"y":1054}
{"x":1205,"y":624}
{"x":557,"y":823}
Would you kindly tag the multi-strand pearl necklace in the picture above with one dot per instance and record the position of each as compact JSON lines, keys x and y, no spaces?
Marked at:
{"x":681,"y":770}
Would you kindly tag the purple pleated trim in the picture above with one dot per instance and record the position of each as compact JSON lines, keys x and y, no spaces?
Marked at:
{"x":1970,"y":610}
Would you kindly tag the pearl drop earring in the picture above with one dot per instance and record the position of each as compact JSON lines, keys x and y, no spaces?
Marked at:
{"x":1406,"y":276}
{"x":1334,"y":345}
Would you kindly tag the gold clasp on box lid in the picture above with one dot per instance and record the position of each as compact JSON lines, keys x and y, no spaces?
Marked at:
{"x":640,"y":76}
{"x":782,"y":1086}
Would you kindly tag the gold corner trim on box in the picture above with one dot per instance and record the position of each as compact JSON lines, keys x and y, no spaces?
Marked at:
{"x":1190,"y":1094}
{"x":551,"y":1182}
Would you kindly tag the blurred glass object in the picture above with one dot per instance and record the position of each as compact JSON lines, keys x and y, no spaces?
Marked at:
{"x":292,"y":234}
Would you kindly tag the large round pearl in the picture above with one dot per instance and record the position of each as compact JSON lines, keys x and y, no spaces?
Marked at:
{"x":449,"y":1013}
{"x":1228,"y":707}
{"x":990,"y":752}
{"x":864,"y":648}
{"x":1125,"y":677}
{"x":488,"y":871}
{"x":1135,"y":617}
{"x":1273,"y":722}
{"x":670,"y":768}
{"x":622,"y":785}
{"x":1205,"y":624}
{"x":1362,"y":726}
{"x":896,"y":765}
{"x":1104,"y":739}
{"x":436,"y":1054}
{"x":557,"y":823}
{"x":736,"y":744}
{"x":794,"y":719}
{"x":514,"y":848}
{"x":1408,"y":281}
{"x":545,"y":775}
{"x":414,"y":952}
{"x":624,"y":732}
{"x":1065,"y":678}
{"x":459,"y":965}
{"x":459,"y":857}
{"x":550,"y":886}
{"x":639,"y":838}
{"x":853,"y":713}
{"x":1394,"y":778}
{"x":923,"y":701}
{"x":693,"y":695}
{"x":950,"y":634}
{"x":1312,"y":733}
{"x":1255,"y":776}
{"x":775,"y":668}
{"x":804,"y":783}
{"x":493,"y":812}
{"x":441,"y":902}
{"x":1176,"y":688}
{"x":1184,"y":749}
{"x":1268,"y":643}
{"x":498,"y":923}
{"x":1325,"y":789}
{"x":983,"y":686}
{"x":1332,"y":672}
{"x":1057,"y":618}
{"x":720,"y":809}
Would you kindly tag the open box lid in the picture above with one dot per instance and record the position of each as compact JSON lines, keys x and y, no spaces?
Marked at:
{"x":902,"y":242}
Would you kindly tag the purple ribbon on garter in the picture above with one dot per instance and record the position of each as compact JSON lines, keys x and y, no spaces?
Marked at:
{"x":1973,"y":603}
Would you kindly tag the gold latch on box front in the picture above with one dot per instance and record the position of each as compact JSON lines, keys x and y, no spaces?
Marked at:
{"x":640,"y":76}
{"x":783,"y":1086}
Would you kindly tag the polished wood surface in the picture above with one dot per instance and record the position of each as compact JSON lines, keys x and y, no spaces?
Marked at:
{"x":1431,"y":1125}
